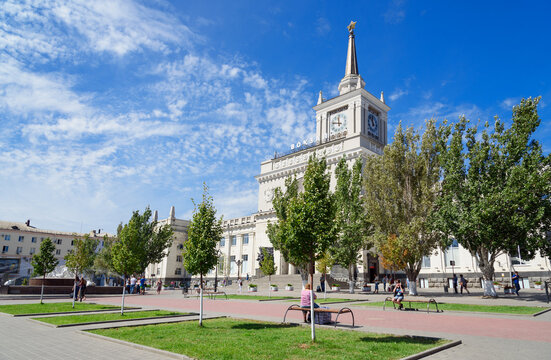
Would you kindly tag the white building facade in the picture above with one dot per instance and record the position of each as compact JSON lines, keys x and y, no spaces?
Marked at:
{"x":350,"y":125}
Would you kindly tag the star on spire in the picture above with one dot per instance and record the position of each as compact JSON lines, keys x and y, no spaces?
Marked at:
{"x":351,"y":26}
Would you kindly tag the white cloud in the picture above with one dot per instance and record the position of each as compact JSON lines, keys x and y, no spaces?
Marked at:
{"x":508,"y":103}
{"x":396,"y":13}
{"x":398,"y":93}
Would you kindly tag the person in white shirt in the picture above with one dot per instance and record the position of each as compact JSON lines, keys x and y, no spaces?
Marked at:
{"x":132,"y":284}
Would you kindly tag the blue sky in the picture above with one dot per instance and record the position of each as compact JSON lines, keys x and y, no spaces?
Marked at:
{"x":109,"y":106}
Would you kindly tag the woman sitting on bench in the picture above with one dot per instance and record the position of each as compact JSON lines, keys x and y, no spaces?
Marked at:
{"x":398,"y":294}
{"x":305,"y":300}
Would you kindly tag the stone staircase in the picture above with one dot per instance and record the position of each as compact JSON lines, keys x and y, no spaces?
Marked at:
{"x":282,"y":280}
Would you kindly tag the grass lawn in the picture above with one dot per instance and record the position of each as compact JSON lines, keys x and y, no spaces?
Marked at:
{"x":249,"y":339}
{"x":38,"y":308}
{"x":77,"y":319}
{"x":253,"y":297}
{"x":502,"y":309}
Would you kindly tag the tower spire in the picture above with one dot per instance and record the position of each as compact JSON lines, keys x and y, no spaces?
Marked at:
{"x":352,"y":79}
{"x":351,"y":60}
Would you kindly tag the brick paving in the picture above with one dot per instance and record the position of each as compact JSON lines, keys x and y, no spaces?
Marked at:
{"x":488,"y":336}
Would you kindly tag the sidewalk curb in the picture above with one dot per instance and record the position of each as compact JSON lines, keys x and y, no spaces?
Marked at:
{"x":433,"y":350}
{"x":124,"y":320}
{"x":541,"y":312}
{"x":74,"y":312}
{"x":136,"y":346}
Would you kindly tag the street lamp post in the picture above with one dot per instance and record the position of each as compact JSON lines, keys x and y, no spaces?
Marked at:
{"x":238,"y":263}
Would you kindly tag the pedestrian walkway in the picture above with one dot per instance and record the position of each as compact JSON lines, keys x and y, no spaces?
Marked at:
{"x":485,"y":336}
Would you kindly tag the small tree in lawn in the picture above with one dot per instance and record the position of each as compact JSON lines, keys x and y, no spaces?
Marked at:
{"x":323,"y":265}
{"x":81,"y":258}
{"x":205,"y":231}
{"x":308,"y":222}
{"x":44,"y":262}
{"x":103,"y":262}
{"x":351,"y":224}
{"x":267,"y":266}
{"x":139,"y":243}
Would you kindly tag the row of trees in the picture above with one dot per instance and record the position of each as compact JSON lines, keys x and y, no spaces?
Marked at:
{"x":488,"y":189}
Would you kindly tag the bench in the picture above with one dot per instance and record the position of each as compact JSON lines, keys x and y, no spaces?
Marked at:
{"x":344,"y":310}
{"x":212,"y":294}
{"x":409,"y":301}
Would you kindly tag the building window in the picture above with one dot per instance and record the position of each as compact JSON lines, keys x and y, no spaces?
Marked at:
{"x":41,"y":239}
{"x":7,"y":237}
{"x":178,"y":271}
{"x":179,"y":258}
{"x":245,"y":239}
{"x":426,"y":262}
{"x":32,"y":251}
{"x":5,"y":249}
{"x":233,"y":240}
{"x":222,"y":242}
{"x":159,"y":270}
{"x":245,"y":257}
{"x":58,"y":241}
{"x":72,"y":242}
{"x":19,"y":250}
{"x":58,"y":252}
{"x":33,"y":239}
{"x":452,"y":254}
{"x":21,"y":238}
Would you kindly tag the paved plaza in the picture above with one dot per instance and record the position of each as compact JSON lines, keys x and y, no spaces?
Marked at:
{"x":483,"y":336}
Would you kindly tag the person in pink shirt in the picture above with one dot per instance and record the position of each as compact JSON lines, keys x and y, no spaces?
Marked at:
{"x":305,"y":300}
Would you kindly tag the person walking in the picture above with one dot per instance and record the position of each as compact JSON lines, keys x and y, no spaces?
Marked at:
{"x":516,"y":279}
{"x":132,"y":284}
{"x":385,"y":279}
{"x":240,"y":283}
{"x":76,"y":288}
{"x":142,"y":285}
{"x":159,"y":286}
{"x":454,"y":281}
{"x":82,"y":291}
{"x":463,"y":282}
{"x":322,"y":282}
{"x":376,"y":285}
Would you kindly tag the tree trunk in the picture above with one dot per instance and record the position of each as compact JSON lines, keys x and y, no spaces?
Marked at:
{"x":324,"y":286}
{"x":42,"y":290}
{"x":123,"y":293}
{"x":312,"y":313}
{"x":303,"y":276}
{"x":487,"y":268}
{"x":201,"y":301}
{"x":74,"y":293}
{"x":412,"y":277}
{"x":269,"y":286}
{"x":351,"y":282}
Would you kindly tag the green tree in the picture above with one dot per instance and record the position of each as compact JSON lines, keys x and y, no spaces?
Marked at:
{"x":139,"y":243}
{"x":103,"y":262}
{"x":351,"y":224}
{"x":205,"y":231}
{"x":44,"y":262}
{"x":496,"y":189}
{"x":323,"y":265}
{"x":308,"y":220}
{"x":81,"y":258}
{"x":400,"y":195}
{"x":267,"y":266}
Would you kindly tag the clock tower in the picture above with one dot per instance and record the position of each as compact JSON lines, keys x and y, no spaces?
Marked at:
{"x":355,"y":113}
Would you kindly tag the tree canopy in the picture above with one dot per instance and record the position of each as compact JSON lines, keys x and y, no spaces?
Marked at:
{"x":81,"y":258}
{"x":351,"y":223}
{"x":44,"y":261}
{"x":139,"y":243}
{"x":400,"y":195}
{"x":205,"y":231}
{"x":496,"y":189}
{"x":305,"y":220}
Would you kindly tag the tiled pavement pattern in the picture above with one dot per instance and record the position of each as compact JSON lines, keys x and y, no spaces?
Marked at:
{"x":484,"y":336}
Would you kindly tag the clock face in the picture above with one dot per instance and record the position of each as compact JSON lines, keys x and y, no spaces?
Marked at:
{"x":337,"y":122}
{"x":373,"y":122}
